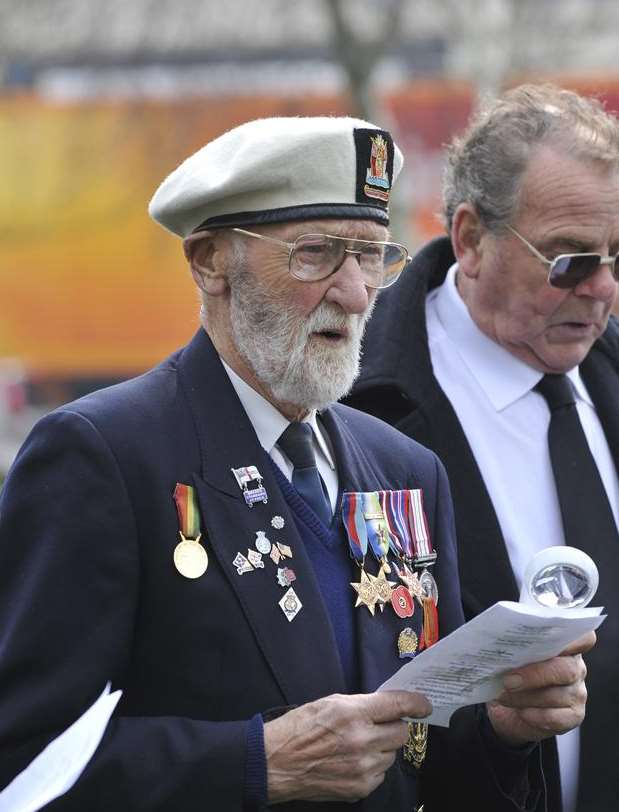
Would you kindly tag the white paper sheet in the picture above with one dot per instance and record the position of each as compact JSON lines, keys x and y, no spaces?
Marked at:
{"x":56,"y":769}
{"x":466,"y":667}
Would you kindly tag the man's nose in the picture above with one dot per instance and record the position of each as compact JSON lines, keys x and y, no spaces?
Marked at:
{"x":348,"y":288}
{"x":601,"y":285}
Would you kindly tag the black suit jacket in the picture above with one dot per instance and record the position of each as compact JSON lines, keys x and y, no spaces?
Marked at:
{"x":397,"y":383}
{"x":89,"y":593}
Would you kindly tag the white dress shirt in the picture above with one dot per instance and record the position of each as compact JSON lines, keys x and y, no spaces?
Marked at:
{"x":269,"y":424}
{"x":506,"y":425}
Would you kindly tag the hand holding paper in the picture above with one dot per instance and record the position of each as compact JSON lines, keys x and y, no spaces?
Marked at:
{"x":543,"y":699}
{"x":525,"y":656}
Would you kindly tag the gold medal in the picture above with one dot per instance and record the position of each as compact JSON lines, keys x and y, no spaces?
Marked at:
{"x":190,"y":557}
{"x":366,"y":592}
{"x":382,"y":587}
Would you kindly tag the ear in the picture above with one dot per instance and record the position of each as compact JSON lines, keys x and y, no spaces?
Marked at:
{"x":205,"y":262}
{"x":466,"y":238}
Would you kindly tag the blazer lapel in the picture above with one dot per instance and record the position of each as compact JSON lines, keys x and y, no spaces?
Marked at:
{"x":227,"y":441}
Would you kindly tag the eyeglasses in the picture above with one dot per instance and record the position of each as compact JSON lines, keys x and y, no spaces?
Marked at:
{"x":569,"y":270}
{"x":313,"y":257}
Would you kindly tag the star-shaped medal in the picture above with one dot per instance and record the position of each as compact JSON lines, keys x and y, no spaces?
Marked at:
{"x":366,"y":592}
{"x":411,"y":582}
{"x":382,"y":587}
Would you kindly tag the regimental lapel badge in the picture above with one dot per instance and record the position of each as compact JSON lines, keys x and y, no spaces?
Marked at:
{"x":263,"y":544}
{"x":249,"y":481}
{"x":285,"y":576}
{"x":242,"y":564}
{"x":285,"y":550}
{"x":407,"y":643}
{"x":352,"y":515}
{"x":290,"y":604}
{"x":190,"y":557}
{"x":277,"y":522}
{"x":255,"y":559}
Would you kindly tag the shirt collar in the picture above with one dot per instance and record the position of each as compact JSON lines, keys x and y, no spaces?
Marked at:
{"x":267,"y":421}
{"x":502,"y":377}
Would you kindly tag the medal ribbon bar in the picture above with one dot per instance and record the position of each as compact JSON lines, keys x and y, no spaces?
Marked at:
{"x":187,"y":509}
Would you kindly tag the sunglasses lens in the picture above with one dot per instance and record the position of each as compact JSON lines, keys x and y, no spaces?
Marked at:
{"x":570,"y":269}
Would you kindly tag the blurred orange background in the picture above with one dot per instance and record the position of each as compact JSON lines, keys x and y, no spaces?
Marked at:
{"x":89,"y":285}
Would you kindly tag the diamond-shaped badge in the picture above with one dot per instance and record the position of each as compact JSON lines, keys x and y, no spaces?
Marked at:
{"x":290,"y":604}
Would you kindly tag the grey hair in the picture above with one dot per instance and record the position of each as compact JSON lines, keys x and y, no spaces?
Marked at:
{"x":486,"y":163}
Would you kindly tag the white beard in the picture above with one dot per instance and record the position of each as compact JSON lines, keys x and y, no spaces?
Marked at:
{"x":296,"y":367}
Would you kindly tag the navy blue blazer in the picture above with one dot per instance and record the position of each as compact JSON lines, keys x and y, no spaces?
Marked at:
{"x":89,"y":591}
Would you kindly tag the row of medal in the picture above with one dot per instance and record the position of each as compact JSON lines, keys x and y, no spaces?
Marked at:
{"x":392,"y":523}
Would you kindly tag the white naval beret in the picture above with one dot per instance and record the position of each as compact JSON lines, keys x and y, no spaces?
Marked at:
{"x":275,"y":170}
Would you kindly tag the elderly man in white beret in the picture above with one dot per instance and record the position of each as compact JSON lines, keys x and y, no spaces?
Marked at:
{"x":245,"y":560}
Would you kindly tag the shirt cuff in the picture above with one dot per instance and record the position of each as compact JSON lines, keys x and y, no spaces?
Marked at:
{"x":255,"y":766}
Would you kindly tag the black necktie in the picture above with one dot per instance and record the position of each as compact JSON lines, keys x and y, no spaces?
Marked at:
{"x":588,"y":521}
{"x":296,"y":442}
{"x":589,"y":525}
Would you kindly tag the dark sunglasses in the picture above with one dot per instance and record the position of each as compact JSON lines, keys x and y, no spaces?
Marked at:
{"x":569,"y":270}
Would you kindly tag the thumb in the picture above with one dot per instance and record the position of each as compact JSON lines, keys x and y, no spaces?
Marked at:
{"x":387,"y":706}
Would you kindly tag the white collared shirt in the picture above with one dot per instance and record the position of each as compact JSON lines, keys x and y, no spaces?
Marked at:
{"x":269,"y":424}
{"x":506,"y":425}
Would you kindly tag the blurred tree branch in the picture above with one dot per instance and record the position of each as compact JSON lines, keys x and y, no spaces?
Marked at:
{"x":360,"y":55}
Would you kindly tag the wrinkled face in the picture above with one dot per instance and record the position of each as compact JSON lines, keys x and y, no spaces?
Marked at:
{"x":567,"y":206}
{"x":301,"y":339}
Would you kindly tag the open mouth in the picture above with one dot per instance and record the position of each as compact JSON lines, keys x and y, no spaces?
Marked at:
{"x":332,"y":336}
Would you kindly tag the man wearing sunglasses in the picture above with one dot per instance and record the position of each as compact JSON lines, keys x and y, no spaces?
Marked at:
{"x":521,"y":290}
{"x":183,"y":536}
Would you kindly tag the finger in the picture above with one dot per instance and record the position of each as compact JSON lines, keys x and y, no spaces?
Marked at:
{"x":580,"y":646}
{"x":562,"y":670}
{"x":556,"y":697}
{"x":390,"y":736}
{"x":553,"y":721}
{"x":387,"y":706}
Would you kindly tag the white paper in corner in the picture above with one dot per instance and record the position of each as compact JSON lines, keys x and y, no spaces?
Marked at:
{"x":465,"y":667}
{"x":56,"y":769}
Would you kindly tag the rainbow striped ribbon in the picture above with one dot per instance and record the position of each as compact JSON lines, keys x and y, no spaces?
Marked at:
{"x":187,"y":509}
{"x":352,"y":515}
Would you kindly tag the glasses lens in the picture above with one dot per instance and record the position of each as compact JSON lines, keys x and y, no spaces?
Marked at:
{"x":314,"y":256}
{"x":382,"y":263}
{"x":569,"y":270}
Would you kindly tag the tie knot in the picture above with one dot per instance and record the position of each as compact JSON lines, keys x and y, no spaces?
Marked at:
{"x":557,"y":390}
{"x":296,"y":442}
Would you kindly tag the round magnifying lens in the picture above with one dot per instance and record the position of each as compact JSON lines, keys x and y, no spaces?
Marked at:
{"x":560,"y":578}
